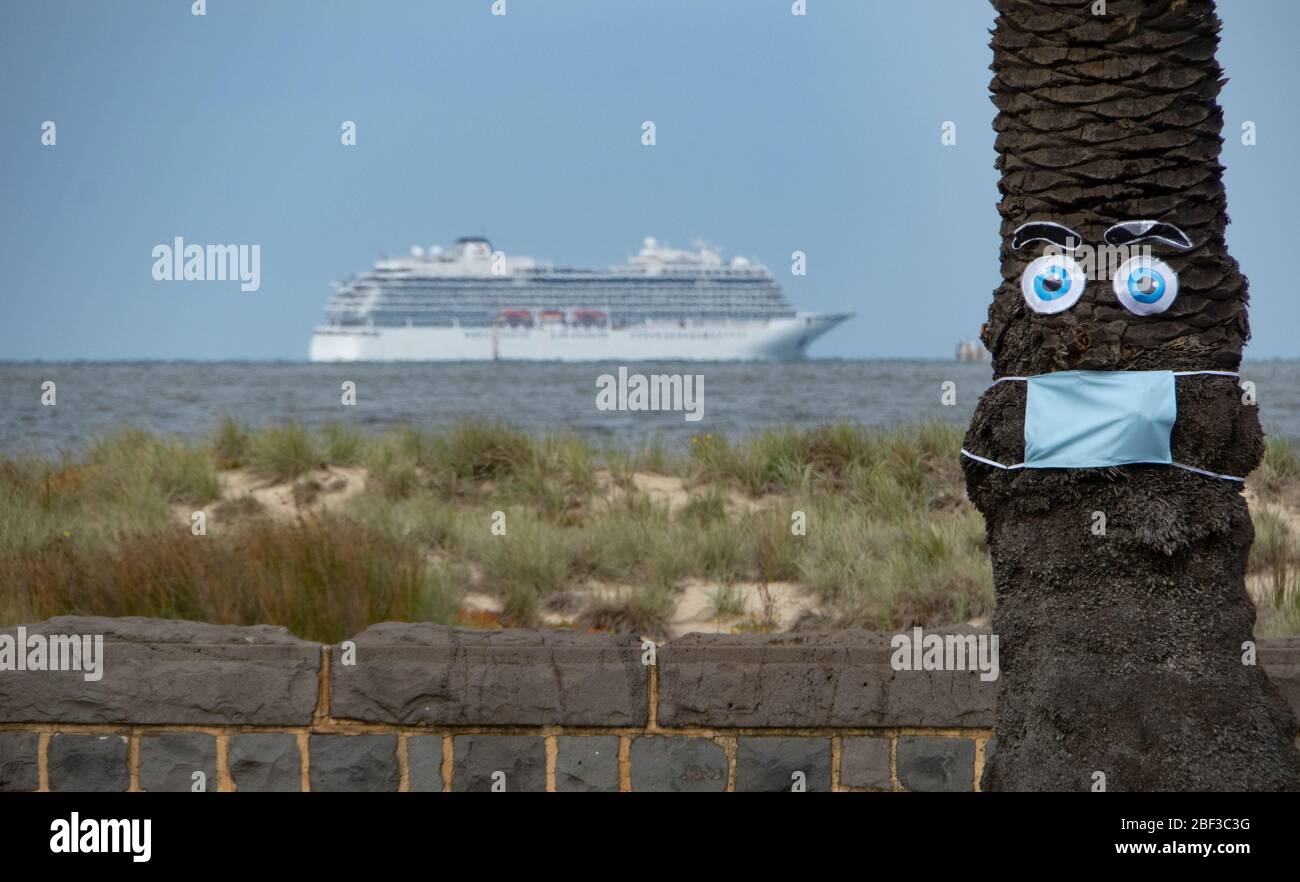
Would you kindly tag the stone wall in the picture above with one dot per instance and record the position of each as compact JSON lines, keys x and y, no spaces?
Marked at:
{"x":418,"y":707}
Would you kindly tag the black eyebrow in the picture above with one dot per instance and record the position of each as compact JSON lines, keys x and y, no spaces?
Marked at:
{"x":1129,"y":232}
{"x":1045,"y":231}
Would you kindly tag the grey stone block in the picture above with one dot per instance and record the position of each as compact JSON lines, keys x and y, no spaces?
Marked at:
{"x":864,"y":762}
{"x":586,"y":763}
{"x":522,"y":758}
{"x":88,"y":763}
{"x":19,"y":761}
{"x":424,"y":763}
{"x":810,"y":680}
{"x":431,"y":674}
{"x":168,"y":761}
{"x":158,"y":671}
{"x":936,"y":764}
{"x":265,"y":763}
{"x":353,"y":763}
{"x":769,"y":765}
{"x":681,"y":765}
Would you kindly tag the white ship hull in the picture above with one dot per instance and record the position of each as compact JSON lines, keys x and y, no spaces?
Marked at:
{"x":784,"y":339}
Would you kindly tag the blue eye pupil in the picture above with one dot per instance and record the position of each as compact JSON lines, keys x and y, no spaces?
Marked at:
{"x":1052,"y":283}
{"x":1146,"y":285}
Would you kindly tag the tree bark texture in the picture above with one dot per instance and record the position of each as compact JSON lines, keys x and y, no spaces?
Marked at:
{"x":1122,"y":653}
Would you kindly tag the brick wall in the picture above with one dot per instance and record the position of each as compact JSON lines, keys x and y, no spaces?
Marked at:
{"x":417,"y":707}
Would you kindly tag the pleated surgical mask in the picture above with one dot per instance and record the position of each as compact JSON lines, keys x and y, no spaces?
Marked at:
{"x":1095,"y":419}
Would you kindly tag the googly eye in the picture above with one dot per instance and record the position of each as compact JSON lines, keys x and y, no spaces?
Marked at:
{"x":1145,"y":285}
{"x":1052,"y":283}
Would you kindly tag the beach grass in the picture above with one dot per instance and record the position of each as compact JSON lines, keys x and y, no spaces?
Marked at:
{"x":282,"y":453}
{"x":124,"y":486}
{"x":326,"y":579}
{"x":326,"y":531}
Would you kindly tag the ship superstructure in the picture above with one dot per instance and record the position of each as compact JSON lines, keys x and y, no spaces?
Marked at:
{"x":471,"y":302}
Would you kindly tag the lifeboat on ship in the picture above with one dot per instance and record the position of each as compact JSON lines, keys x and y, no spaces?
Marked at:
{"x":590,"y":318}
{"x":515,"y":318}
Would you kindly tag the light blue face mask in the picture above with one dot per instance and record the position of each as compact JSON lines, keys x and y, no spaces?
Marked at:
{"x":1095,"y":419}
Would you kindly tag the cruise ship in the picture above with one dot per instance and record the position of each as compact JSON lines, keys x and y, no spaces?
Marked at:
{"x":473,"y":303}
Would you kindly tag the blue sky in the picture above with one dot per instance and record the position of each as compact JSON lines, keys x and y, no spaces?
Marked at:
{"x":819,"y":133}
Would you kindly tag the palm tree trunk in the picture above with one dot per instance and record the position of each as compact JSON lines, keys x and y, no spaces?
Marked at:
{"x":1122,"y":653}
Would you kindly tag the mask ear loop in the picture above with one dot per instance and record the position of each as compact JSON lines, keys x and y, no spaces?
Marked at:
{"x":969,"y":455}
{"x":1207,"y":473}
{"x":1190,"y":468}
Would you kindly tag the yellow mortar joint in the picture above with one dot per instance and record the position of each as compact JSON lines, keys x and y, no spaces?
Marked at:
{"x":133,"y":760}
{"x":893,"y":764}
{"x":979,"y":761}
{"x":727,"y":739}
{"x":448,"y":757}
{"x":729,"y":748}
{"x":225,"y":783}
{"x":837,"y":750}
{"x":652,"y":695}
{"x":403,"y":764}
{"x":552,"y":753}
{"x":335,"y":727}
{"x":625,"y":763}
{"x":302,"y":758}
{"x":43,"y":762}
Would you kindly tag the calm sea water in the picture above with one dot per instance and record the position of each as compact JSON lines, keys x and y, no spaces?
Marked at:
{"x":190,"y":398}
